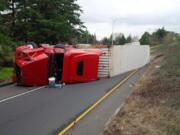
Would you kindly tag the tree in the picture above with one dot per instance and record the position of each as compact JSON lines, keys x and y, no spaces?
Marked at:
{"x":6,"y":43}
{"x":106,"y":41}
{"x":2,"y":7}
{"x":60,"y":21}
{"x":145,"y":39}
{"x":8,"y":15}
{"x":87,"y":38}
{"x":129,"y":39}
{"x":2,"y":4}
{"x":120,"y":40}
{"x":161,"y":33}
{"x":50,"y":21}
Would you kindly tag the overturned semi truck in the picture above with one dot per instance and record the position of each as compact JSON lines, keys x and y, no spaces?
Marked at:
{"x":34,"y":65}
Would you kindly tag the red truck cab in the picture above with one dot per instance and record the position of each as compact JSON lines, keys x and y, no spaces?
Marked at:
{"x":33,"y":66}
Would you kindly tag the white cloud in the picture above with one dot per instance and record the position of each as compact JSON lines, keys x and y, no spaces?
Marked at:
{"x":132,"y":16}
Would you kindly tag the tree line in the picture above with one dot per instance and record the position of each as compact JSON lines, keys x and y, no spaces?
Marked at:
{"x":49,"y":21}
{"x":160,"y":36}
{"x":118,"y":39}
{"x":41,"y":21}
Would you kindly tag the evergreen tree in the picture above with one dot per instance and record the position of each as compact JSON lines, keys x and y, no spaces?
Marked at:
{"x":106,"y":41}
{"x":161,"y":33}
{"x":129,"y":39}
{"x":2,"y":7}
{"x":48,"y":21}
{"x":8,"y":14}
{"x":87,"y":38}
{"x":6,"y":43}
{"x":145,"y":39}
{"x":121,"y":40}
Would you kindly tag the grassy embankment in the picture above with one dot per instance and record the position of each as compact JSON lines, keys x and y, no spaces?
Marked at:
{"x":5,"y":73}
{"x":154,"y":106}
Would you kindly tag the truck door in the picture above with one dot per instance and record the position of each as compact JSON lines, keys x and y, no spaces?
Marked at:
{"x":84,"y":68}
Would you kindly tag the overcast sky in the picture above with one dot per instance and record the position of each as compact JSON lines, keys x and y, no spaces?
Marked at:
{"x":130,"y":16}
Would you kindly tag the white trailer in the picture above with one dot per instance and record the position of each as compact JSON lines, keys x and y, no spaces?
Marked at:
{"x":123,"y":58}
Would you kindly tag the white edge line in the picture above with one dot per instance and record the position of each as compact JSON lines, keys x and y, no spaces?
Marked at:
{"x":18,"y":95}
{"x":114,"y":115}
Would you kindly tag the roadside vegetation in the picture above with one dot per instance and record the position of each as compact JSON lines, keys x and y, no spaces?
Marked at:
{"x":160,"y":36}
{"x":154,"y":106}
{"x":5,"y":73}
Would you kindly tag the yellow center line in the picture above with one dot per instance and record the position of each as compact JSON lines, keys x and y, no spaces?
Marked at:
{"x":85,"y":113}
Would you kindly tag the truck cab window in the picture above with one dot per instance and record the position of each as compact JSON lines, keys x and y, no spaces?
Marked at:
{"x":80,"y":68}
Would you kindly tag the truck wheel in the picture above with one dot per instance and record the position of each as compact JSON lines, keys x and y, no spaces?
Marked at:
{"x":33,"y":44}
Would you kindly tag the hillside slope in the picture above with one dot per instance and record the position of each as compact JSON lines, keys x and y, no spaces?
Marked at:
{"x":154,"y":106}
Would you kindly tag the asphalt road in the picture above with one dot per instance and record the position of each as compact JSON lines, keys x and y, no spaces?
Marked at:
{"x":12,"y":90}
{"x":99,"y":118}
{"x":45,"y":111}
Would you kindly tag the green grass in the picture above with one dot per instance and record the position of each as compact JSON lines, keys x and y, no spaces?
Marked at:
{"x":6,"y":73}
{"x":171,"y":64}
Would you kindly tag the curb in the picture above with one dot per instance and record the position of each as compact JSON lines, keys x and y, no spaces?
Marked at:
{"x":5,"y":83}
